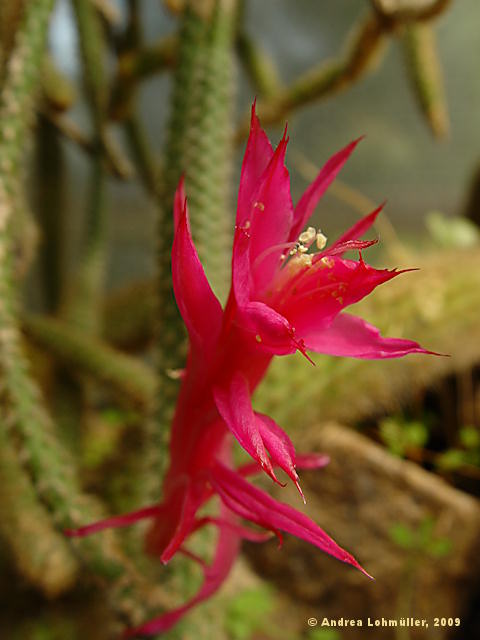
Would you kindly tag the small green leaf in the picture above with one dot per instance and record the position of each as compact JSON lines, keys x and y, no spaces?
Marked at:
{"x":323,"y":634}
{"x":402,"y":536}
{"x":440,"y":548}
{"x":247,"y":611}
{"x":470,"y":437}
{"x":451,"y":460}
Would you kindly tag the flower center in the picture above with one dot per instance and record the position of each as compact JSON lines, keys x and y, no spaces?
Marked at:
{"x":298,"y":255}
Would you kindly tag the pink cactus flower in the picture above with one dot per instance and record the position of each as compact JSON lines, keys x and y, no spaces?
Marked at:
{"x":284,"y":297}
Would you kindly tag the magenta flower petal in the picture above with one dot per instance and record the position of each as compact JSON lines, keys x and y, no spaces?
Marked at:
{"x":200,"y":309}
{"x":307,"y":203}
{"x":245,"y":533}
{"x":228,"y":547}
{"x":353,"y":337}
{"x":271,"y":331}
{"x":179,"y":201}
{"x":257,"y":156}
{"x":194,"y":497}
{"x":302,"y":461}
{"x":312,"y":460}
{"x":339,"y":248}
{"x":251,"y":503}
{"x":114,"y":522}
{"x":235,"y":407}
{"x":325,"y":289}
{"x":358,"y":229}
{"x":270,"y":218}
{"x":280,"y":447}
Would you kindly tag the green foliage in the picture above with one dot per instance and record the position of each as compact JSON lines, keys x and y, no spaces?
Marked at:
{"x":323,"y":634}
{"x":400,"y":435}
{"x":468,"y":454}
{"x":420,"y":540}
{"x":248,"y":612}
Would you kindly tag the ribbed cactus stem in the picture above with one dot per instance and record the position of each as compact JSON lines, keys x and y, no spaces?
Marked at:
{"x":10,"y":16}
{"x":50,"y":200}
{"x":24,"y":421}
{"x":92,"y":50}
{"x":198,"y":146}
{"x":83,"y":304}
{"x":41,"y":554}
{"x":133,"y":380}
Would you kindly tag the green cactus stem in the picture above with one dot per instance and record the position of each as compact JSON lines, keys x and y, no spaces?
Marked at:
{"x":41,"y":554}
{"x":24,"y":420}
{"x":198,"y":146}
{"x":50,"y":209}
{"x":83,"y":353}
{"x":10,"y":16}
{"x":364,"y":49}
{"x":260,"y":68}
{"x":426,"y":77}
{"x":82,"y":306}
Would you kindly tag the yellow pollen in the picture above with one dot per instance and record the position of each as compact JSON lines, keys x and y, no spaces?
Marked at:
{"x":259,"y":205}
{"x":327,"y":262}
{"x":304,"y":260}
{"x":258,"y":338}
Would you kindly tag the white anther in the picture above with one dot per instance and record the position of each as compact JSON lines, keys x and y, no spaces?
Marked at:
{"x":321,"y":240}
{"x":308,"y":236}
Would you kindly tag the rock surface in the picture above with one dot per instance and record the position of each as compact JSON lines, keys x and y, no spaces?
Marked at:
{"x":415,"y":534}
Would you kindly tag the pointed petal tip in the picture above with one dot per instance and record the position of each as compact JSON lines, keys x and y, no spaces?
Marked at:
{"x":365,"y":573}
{"x":299,"y":489}
{"x":301,"y":347}
{"x":434,"y":353}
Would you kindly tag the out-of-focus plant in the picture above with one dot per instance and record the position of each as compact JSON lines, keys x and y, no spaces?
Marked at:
{"x":420,"y":540}
{"x":400,"y":436}
{"x":466,"y":454}
{"x":248,"y":612}
{"x":452,"y":232}
{"x":419,"y":544}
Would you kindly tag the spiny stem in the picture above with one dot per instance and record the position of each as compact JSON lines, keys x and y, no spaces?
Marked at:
{"x":83,"y":305}
{"x":198,"y":145}
{"x":41,"y":554}
{"x":24,"y":420}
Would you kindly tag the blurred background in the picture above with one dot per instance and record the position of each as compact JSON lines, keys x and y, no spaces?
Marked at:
{"x":108,"y":128}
